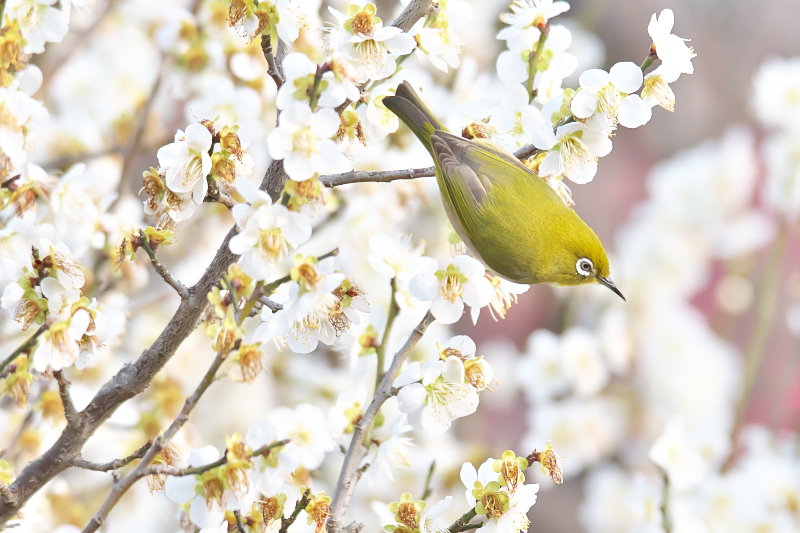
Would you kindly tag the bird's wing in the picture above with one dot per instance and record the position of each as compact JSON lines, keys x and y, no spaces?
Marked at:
{"x":469,"y":170}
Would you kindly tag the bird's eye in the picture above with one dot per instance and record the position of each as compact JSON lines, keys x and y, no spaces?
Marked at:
{"x":584,"y":267}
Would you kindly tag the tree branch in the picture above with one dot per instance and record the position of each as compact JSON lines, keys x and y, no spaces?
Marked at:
{"x":116,"y":464}
{"x":275,"y":306}
{"x":385,"y":176}
{"x":384,"y":392}
{"x":162,"y":271}
{"x":70,"y":413}
{"x":121,"y":487}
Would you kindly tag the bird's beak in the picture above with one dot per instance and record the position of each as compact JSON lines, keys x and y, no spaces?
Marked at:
{"x":610,"y":284}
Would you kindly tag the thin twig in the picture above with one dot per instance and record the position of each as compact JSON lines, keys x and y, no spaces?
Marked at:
{"x":299,"y":506}
{"x":25,"y":346}
{"x":162,"y":271}
{"x":121,"y":487}
{"x":274,"y":71}
{"x":384,"y":392}
{"x":275,"y":306}
{"x":462,"y":523}
{"x":116,"y":464}
{"x":70,"y":413}
{"x":215,"y":195}
{"x":427,"y":491}
{"x":534,"y":59}
{"x":238,"y":515}
{"x":385,"y":176}
{"x":172,"y":471}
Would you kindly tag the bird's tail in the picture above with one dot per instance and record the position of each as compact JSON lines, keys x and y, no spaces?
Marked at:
{"x":414,"y":113}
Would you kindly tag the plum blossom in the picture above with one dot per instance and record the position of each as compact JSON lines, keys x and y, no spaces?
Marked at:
{"x":307,"y":426}
{"x":187,"y":162}
{"x":304,"y":140}
{"x":477,"y":370}
{"x":485,"y":475}
{"x":271,"y":469}
{"x":464,"y":282}
{"x":300,"y":71}
{"x":656,"y":90}
{"x":671,"y":49}
{"x":574,"y":149}
{"x":207,"y":508}
{"x":391,"y":449}
{"x":609,"y":92}
{"x":556,"y":62}
{"x":442,"y":394}
{"x":40,"y":22}
{"x":304,"y":320}
{"x":348,"y":410}
{"x":364,"y":34}
{"x":265,"y":237}
{"x":530,"y":13}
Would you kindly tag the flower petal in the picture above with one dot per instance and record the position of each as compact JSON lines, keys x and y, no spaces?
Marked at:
{"x":411,"y":397}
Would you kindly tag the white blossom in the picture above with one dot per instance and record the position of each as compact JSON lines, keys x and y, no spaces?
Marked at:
{"x":187,"y":162}
{"x":442,"y":393}
{"x":464,"y":282}
{"x":671,"y":49}
{"x":304,"y":140}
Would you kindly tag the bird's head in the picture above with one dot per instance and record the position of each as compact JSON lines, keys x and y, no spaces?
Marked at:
{"x":579,"y":259}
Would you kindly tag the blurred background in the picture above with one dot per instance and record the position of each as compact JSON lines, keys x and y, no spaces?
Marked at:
{"x":694,"y":263}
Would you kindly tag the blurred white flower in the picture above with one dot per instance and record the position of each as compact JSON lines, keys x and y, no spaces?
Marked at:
{"x":307,"y":426}
{"x":464,"y":282}
{"x":207,"y":509}
{"x":347,"y":411}
{"x":39,"y":21}
{"x":530,"y":13}
{"x":304,"y":140}
{"x":377,"y":113}
{"x":300,"y":71}
{"x":442,"y":394}
{"x":390,"y":449}
{"x":671,"y":49}
{"x":187,"y":162}
{"x":674,"y":453}
{"x":541,"y":371}
{"x":584,"y":368}
{"x":775,"y":89}
{"x":557,"y":63}
{"x":270,"y":477}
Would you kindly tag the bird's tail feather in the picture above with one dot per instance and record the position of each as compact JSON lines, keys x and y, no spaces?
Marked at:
{"x":407,"y":105}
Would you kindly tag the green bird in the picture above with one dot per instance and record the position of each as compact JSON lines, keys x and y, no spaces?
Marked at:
{"x":502,"y":210}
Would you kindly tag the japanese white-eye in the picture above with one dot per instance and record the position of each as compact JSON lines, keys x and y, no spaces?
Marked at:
{"x":502,"y":210}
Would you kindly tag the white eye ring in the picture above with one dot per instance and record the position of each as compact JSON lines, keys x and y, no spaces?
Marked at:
{"x":584,"y":266}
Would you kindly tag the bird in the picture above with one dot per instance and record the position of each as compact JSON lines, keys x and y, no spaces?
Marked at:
{"x":505,"y":214}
